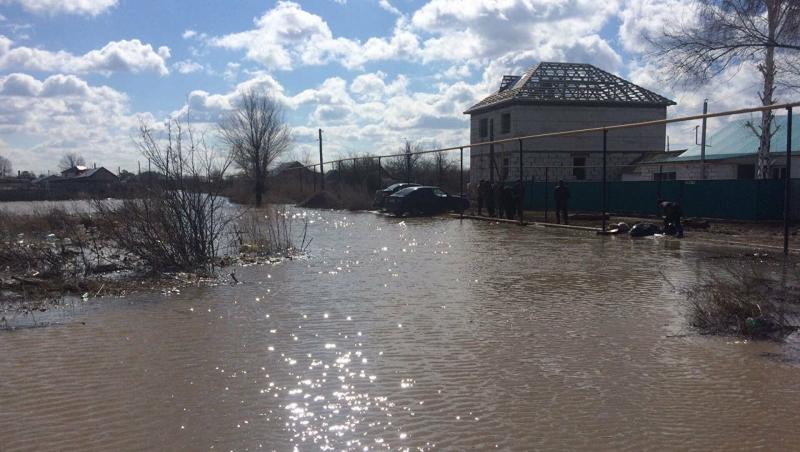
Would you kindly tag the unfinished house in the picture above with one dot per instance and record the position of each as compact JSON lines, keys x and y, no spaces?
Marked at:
{"x":555,"y":97}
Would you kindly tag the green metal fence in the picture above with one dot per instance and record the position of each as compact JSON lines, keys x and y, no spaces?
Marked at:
{"x":729,"y":199}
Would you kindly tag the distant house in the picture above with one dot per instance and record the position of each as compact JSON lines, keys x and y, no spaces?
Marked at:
{"x":80,"y":178}
{"x":556,"y":97}
{"x":731,"y":153}
{"x":44,"y":181}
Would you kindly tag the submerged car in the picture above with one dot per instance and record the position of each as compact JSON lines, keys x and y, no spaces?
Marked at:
{"x":380,"y":195}
{"x":423,"y":200}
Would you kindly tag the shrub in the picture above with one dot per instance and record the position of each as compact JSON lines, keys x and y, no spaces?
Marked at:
{"x":746,"y":300}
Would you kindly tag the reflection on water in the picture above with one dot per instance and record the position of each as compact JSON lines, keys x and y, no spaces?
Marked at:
{"x":418,"y":334}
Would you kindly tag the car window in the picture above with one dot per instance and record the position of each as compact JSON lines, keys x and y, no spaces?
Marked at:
{"x":439,"y":192}
{"x":405,"y":191}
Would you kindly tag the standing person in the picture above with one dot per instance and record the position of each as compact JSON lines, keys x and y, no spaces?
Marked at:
{"x":498,"y":198}
{"x":509,"y":199}
{"x":561,"y":193}
{"x":481,"y":193}
{"x":489,"y":198}
{"x":519,"y":197}
{"x":672,"y":213}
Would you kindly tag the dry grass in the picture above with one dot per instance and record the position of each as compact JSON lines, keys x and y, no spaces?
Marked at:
{"x":745,"y":299}
{"x":271,"y":232}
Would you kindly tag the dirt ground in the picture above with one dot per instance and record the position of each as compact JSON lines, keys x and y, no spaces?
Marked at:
{"x":768,"y":235}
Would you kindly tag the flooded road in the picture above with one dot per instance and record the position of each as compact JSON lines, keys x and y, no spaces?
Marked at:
{"x":419,"y":335}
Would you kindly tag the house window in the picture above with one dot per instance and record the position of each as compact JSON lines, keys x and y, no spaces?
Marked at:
{"x":505,"y":123}
{"x":745,"y":171}
{"x":505,"y":168}
{"x":578,"y":170}
{"x":665,"y":176}
{"x":483,"y":128}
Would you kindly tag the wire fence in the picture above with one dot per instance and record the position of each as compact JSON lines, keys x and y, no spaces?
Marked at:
{"x":602,"y":176}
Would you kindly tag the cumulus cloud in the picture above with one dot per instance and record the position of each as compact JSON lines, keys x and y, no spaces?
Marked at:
{"x":484,"y":31}
{"x":64,"y":113}
{"x":287,"y":36}
{"x":372,"y":86}
{"x":116,"y":56}
{"x":84,"y":7}
{"x":188,"y":66}
{"x":642,"y":19}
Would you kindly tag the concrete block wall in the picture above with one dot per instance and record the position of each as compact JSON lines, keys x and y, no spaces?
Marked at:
{"x":559,"y":164}
{"x":535,"y":119}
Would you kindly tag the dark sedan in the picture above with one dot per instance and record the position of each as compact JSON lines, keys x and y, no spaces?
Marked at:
{"x":424,"y":201}
{"x":380,"y":195}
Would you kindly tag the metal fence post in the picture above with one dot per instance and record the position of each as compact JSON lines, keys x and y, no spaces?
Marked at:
{"x":605,"y":152}
{"x":787,"y":188}
{"x":546,"y":178}
{"x":380,"y":176}
{"x":321,"y":163}
{"x":521,"y":186}
{"x":461,"y":180}
{"x":491,"y":151}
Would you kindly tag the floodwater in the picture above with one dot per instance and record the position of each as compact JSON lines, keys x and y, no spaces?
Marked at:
{"x":418,"y":334}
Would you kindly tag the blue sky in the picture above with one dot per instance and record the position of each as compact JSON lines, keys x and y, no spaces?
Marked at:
{"x":79,"y":75}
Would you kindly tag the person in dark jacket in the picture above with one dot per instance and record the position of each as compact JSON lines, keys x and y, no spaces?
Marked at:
{"x":498,"y":198}
{"x":489,"y":198}
{"x":671,"y":212}
{"x":509,"y":202}
{"x":561,"y":193}
{"x":481,"y":195}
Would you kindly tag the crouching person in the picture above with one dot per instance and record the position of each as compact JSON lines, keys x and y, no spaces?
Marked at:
{"x":672,"y":213}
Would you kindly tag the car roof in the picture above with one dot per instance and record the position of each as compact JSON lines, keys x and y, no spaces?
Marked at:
{"x":400,"y":184}
{"x":408,"y":190}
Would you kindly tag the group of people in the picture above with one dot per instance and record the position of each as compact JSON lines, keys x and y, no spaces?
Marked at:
{"x":501,"y":199}
{"x":504,"y":200}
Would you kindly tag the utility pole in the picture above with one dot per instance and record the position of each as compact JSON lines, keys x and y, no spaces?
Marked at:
{"x":408,"y":161}
{"x":321,"y":166}
{"x":703,"y":143}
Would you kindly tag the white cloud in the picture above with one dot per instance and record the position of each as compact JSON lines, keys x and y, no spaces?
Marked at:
{"x":85,"y":7}
{"x":188,"y":66}
{"x":648,"y":18}
{"x":287,"y":36}
{"x":372,"y":87}
{"x":484,"y":31}
{"x":116,"y":56}
{"x":64,"y":113}
{"x":389,"y":7}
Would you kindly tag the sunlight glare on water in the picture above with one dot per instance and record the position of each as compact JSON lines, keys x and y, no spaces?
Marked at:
{"x":407,"y":335}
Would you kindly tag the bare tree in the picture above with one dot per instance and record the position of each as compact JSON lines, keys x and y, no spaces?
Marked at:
{"x":70,"y":160}
{"x":177,"y":223}
{"x":5,"y":167}
{"x":403,"y":167}
{"x":733,"y":33}
{"x":257,"y":134}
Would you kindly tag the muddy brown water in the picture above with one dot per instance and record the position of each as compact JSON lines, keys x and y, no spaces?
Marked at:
{"x":422,"y":334}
